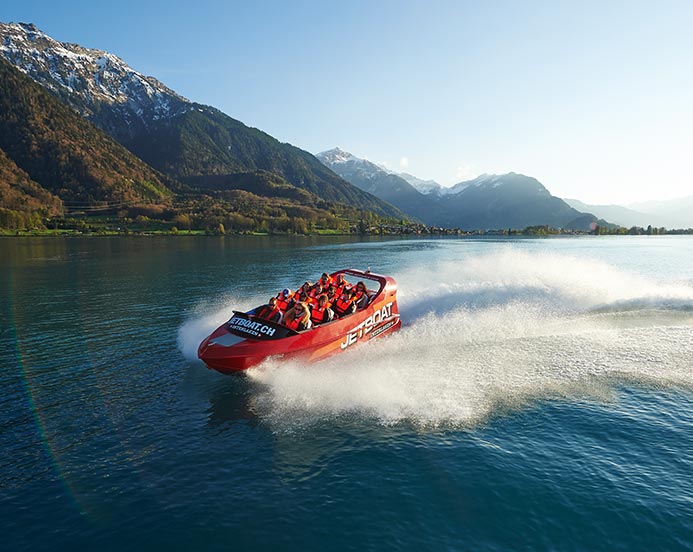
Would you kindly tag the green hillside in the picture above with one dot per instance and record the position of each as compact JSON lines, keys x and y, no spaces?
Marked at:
{"x":65,"y":154}
{"x":204,"y":141}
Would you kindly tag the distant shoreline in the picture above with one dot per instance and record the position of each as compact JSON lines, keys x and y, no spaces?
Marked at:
{"x":202,"y":233}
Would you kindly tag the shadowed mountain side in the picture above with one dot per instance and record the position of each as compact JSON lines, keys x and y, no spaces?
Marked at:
{"x":260,"y":183}
{"x":509,"y":201}
{"x":178,"y":137}
{"x":19,"y":193}
{"x":272,"y":203}
{"x":66,"y":154}
{"x":204,"y":141}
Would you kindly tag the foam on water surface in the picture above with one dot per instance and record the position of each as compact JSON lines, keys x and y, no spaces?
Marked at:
{"x":486,"y":335}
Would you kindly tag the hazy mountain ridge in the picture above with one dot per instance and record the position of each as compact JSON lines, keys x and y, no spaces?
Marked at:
{"x":486,"y":202}
{"x":669,"y":214}
{"x":674,"y":213}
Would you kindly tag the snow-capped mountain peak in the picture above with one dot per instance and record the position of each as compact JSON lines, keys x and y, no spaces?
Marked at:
{"x":337,"y":156}
{"x":423,"y":186}
{"x":85,"y":77}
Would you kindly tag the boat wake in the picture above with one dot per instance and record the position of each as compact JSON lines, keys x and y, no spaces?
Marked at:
{"x":484,"y":336}
{"x":492,"y":334}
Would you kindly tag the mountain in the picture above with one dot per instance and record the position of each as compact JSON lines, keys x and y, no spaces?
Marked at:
{"x":622,"y":216}
{"x":672,"y":213}
{"x":21,"y":194}
{"x":487,"y":202}
{"x":64,"y":154}
{"x":377,"y":181}
{"x":97,"y":84}
{"x":423,"y":186}
{"x":509,"y":201}
{"x":172,"y":134}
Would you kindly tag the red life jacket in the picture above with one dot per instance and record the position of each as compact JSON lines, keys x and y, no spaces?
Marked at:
{"x":267,"y":312}
{"x":297,"y":324}
{"x":341,"y":288}
{"x":343,"y":305}
{"x":293,"y":324}
{"x":283,"y":302}
{"x":317,"y":315}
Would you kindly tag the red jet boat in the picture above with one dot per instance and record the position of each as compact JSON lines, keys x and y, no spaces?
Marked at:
{"x":246,"y":340}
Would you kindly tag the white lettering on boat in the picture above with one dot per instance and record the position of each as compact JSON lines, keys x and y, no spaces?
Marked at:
{"x":368,"y":325}
{"x":250,"y":326}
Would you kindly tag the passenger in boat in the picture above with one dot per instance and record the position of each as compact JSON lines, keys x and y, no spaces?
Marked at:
{"x":298,"y":317}
{"x":332,"y":295}
{"x":322,"y":313}
{"x":285,"y":299}
{"x":341,"y":284}
{"x":325,"y":280}
{"x":301,"y":297}
{"x":270,"y":311}
{"x":344,"y":306}
{"x":360,"y":295}
{"x":317,"y":290}
{"x":304,"y":288}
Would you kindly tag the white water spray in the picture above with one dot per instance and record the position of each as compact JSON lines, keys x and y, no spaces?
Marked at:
{"x":490,"y":334}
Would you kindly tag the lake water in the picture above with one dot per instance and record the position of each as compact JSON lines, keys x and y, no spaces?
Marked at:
{"x":538,"y":397}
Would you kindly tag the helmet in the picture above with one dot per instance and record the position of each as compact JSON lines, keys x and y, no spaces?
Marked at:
{"x":285,"y":292}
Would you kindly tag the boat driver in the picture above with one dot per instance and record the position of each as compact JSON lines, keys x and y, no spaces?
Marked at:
{"x":270,"y":311}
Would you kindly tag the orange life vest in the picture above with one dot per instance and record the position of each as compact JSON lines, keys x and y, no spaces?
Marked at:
{"x":342,"y":306}
{"x":266,"y":312}
{"x":293,"y":324}
{"x":317,"y":315}
{"x":283,"y":302}
{"x":297,"y":324}
{"x":342,"y":287}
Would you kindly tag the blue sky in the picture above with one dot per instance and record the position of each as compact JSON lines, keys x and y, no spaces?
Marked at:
{"x":592,"y":98}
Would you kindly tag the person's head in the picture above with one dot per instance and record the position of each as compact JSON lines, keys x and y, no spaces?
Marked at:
{"x":306,"y":286}
{"x":273,"y":302}
{"x":322,"y":301}
{"x":340,"y":278}
{"x":303,"y":296}
{"x":332,"y":289}
{"x":325,"y":276}
{"x":286,"y":292}
{"x":360,"y":286}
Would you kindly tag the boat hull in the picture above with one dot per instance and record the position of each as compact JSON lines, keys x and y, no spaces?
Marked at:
{"x":245,"y":341}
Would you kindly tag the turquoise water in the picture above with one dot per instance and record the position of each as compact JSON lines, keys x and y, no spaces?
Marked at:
{"x":539,"y":397}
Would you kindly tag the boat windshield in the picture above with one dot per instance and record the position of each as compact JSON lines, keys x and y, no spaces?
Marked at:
{"x":373,"y":285}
